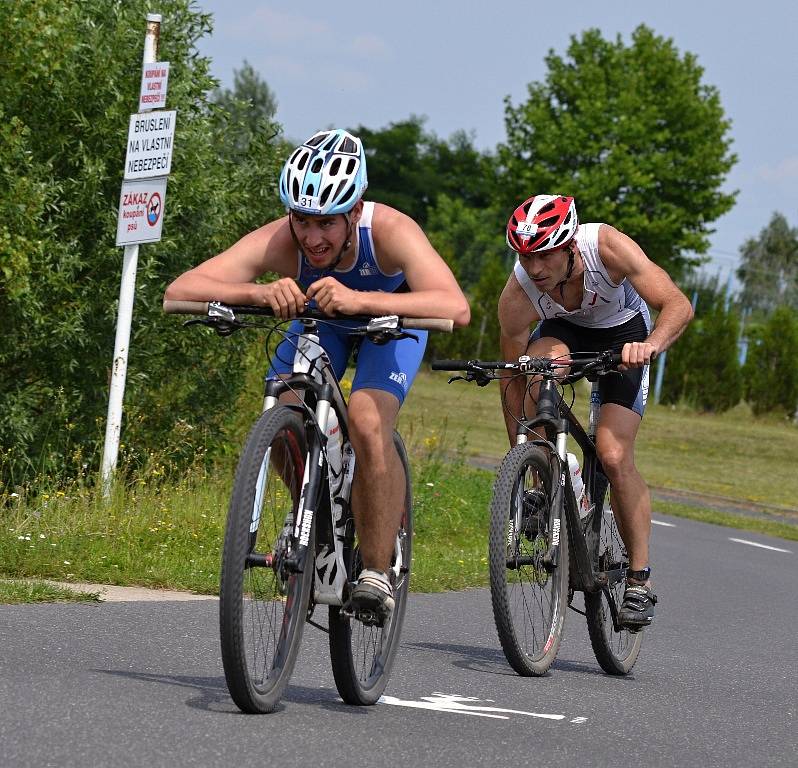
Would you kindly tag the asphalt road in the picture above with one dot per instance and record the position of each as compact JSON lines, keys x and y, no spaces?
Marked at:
{"x":141,"y":684}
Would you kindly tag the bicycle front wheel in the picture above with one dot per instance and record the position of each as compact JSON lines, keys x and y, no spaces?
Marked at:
{"x":362,"y":657}
{"x":262,"y":603}
{"x":529,"y":595}
{"x":616,"y":649}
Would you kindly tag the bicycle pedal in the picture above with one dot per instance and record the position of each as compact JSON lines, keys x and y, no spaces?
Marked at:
{"x":370,"y":618}
{"x":366,"y":616}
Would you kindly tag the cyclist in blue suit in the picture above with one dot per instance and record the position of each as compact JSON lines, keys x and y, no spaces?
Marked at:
{"x":349,"y":256}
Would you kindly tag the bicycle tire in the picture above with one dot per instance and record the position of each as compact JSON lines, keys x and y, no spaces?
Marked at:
{"x":615,"y":651}
{"x":362,"y":657}
{"x":262,"y":608}
{"x":529,"y":600}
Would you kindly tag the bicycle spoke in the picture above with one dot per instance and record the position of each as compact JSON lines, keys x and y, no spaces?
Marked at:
{"x":528,"y":596}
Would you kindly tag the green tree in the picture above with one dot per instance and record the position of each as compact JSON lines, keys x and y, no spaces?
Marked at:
{"x":247,"y":110}
{"x":70,"y":76}
{"x":769,"y":267}
{"x":471,"y":242}
{"x":466,"y":237}
{"x":633,"y":134}
{"x":771,"y":368}
{"x":409,"y":167}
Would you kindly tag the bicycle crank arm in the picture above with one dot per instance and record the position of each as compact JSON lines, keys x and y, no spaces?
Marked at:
{"x":259,"y":560}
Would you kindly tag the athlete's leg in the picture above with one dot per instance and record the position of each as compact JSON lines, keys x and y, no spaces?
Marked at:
{"x":631,"y":502}
{"x":378,"y":487}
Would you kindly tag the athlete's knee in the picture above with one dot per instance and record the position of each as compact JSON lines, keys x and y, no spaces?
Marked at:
{"x":616,"y":458}
{"x":368,"y":430}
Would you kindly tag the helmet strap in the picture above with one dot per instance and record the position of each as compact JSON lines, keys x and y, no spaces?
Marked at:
{"x":569,"y":248}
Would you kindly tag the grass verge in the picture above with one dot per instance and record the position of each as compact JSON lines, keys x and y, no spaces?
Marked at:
{"x":715,"y":517}
{"x":169,"y":535}
{"x":16,"y":591}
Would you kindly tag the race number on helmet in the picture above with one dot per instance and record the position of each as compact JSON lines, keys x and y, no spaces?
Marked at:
{"x":325,"y":175}
{"x":542,"y":222}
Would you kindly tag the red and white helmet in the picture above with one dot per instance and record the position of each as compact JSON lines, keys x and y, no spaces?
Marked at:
{"x":542,"y":222}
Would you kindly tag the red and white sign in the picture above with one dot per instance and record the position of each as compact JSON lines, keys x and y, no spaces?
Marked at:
{"x":154,"y":79}
{"x":141,"y":207}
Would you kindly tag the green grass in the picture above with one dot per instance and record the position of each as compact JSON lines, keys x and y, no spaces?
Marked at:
{"x":169,"y":534}
{"x":715,"y":517}
{"x":451,"y":508}
{"x":162,"y":532}
{"x":33,"y":591}
{"x":732,"y":454}
{"x":153,"y":534}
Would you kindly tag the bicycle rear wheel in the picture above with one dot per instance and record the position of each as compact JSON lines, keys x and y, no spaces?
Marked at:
{"x":362,"y":657}
{"x":262,"y":605}
{"x":529,"y":597}
{"x":616,"y":649}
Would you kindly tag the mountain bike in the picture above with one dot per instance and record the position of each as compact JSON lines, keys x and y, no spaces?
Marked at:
{"x":545,"y":545}
{"x":290,"y":543}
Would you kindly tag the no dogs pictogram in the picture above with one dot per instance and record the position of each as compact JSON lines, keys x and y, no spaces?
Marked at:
{"x":153,"y":209}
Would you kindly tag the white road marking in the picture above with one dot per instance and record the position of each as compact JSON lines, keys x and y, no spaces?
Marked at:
{"x":761,"y":546}
{"x":660,"y":522}
{"x":445,"y":702}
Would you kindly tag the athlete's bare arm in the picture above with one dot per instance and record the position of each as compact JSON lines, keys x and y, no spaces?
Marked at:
{"x":230,"y":276}
{"x":624,"y":258}
{"x":516,"y":316}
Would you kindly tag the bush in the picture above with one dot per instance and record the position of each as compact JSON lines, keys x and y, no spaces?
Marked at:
{"x":703,"y":368}
{"x":771,"y":369}
{"x":70,"y":78}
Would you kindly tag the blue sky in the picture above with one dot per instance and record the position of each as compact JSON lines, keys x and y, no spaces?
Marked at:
{"x":373,"y":63}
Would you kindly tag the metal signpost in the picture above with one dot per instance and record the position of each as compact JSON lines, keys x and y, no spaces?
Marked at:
{"x":141,"y":206}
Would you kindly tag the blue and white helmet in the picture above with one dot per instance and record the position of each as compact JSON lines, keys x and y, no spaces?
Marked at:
{"x":325,"y":175}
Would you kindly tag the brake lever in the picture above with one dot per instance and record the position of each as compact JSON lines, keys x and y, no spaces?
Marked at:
{"x":222,"y":327}
{"x":383,"y":337}
{"x":480,"y":377}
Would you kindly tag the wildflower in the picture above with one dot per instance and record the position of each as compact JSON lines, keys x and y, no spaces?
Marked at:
{"x":67,"y":562}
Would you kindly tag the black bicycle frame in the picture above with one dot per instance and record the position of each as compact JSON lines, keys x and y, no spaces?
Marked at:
{"x":315,"y":491}
{"x":557,"y":419}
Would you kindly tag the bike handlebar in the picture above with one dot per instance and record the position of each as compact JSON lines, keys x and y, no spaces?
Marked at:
{"x":176,"y":307}
{"x":465,"y":365}
{"x":579,"y":362}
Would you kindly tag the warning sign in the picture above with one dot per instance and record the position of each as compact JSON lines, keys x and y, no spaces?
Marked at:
{"x":154,"y":79}
{"x":141,"y":206}
{"x":150,"y":138}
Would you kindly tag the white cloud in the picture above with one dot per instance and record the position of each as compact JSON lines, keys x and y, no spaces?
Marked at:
{"x":370,"y":47}
{"x":784,"y":170}
{"x":278,"y":28}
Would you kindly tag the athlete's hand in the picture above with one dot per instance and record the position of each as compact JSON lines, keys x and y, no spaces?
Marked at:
{"x":284,"y":296}
{"x":636,"y":354}
{"x":334,"y":298}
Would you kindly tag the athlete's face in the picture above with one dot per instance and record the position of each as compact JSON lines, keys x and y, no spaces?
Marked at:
{"x":320,"y":237}
{"x":545,"y":268}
